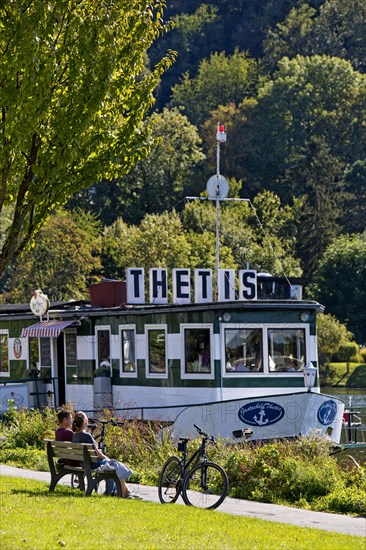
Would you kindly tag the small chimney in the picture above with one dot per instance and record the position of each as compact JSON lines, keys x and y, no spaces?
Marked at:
{"x":108,"y":293}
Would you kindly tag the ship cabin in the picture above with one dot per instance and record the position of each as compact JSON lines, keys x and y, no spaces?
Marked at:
{"x":151,"y":359}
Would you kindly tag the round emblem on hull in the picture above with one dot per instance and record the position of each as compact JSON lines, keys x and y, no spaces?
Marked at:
{"x":327,"y":412}
{"x":261,"y":413}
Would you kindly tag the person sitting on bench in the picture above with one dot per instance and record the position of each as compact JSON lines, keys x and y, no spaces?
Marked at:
{"x":123,"y":472}
{"x":64,"y":431}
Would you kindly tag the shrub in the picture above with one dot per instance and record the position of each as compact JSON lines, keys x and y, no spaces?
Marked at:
{"x":144,"y":446}
{"x":343,"y":500}
{"x":298,"y":479}
{"x":292,"y":472}
{"x":30,"y":428}
{"x":30,"y":458}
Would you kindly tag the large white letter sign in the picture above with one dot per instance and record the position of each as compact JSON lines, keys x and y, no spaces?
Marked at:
{"x":202,"y":286}
{"x":135,"y":285}
{"x":247,"y":284}
{"x":158,"y":286}
{"x":226,"y":285}
{"x":181,"y":286}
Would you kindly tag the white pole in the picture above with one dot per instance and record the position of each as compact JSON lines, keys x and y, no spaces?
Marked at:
{"x":217,"y":253}
{"x":217,"y":250}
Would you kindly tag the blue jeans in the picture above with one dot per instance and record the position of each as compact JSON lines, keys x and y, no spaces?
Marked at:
{"x":110,"y":486}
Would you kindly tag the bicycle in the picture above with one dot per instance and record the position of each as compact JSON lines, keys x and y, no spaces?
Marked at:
{"x":201,"y":483}
{"x":102,"y":446}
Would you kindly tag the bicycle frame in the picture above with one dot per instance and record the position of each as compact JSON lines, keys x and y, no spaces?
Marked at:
{"x":101,"y":437}
{"x":198,"y":456}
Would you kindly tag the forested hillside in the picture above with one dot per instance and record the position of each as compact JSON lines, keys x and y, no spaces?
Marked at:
{"x":287,"y":79}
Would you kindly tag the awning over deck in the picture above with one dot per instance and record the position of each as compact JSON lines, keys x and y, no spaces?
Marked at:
{"x":46,"y":329}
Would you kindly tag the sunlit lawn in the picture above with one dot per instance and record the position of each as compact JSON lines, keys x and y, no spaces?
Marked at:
{"x":33,"y":518}
{"x":354,"y":378}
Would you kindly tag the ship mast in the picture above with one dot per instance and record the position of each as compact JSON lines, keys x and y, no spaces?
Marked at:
{"x":217,"y":189}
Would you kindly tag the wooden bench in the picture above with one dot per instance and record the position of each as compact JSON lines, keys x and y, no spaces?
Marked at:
{"x":85,"y":455}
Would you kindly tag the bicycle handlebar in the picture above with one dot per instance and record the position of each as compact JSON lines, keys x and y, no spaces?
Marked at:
{"x":105,"y":422}
{"x":204,"y":434}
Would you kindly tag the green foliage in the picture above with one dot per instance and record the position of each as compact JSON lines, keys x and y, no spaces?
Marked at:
{"x":29,"y":458}
{"x":357,"y":378}
{"x":295,"y":480}
{"x":331,"y":336}
{"x":348,"y":500}
{"x":318,"y":93}
{"x":64,"y":261}
{"x":262,"y":236}
{"x":159,"y":241}
{"x":346,"y":352}
{"x":339,"y":282}
{"x":354,"y":210}
{"x":349,"y":375}
{"x":300,"y":473}
{"x":216,"y":26}
{"x":142,"y":447}
{"x":190,"y":25}
{"x":199,"y":221}
{"x":291,"y":36}
{"x":113,"y":248}
{"x":5,"y":221}
{"x":301,"y":135}
{"x":158,"y":182}
{"x":337,"y":29}
{"x":74,"y":91}
{"x":26,"y":429}
{"x":220,"y":80}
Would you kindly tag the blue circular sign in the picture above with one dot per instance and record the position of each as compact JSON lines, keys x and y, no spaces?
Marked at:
{"x":327,"y":412}
{"x":261,"y":413}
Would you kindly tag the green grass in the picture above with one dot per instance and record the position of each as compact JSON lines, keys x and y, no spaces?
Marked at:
{"x":355,"y":378}
{"x":33,"y":518}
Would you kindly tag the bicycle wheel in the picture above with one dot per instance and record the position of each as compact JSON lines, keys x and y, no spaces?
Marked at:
{"x":170,"y":480}
{"x":206,"y":486}
{"x":100,"y":487}
{"x":74,"y":481}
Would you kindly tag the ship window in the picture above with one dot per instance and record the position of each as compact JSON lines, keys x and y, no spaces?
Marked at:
{"x":4,"y":354}
{"x":197,"y":350}
{"x":243,"y":350}
{"x":70,"y":349}
{"x":103,"y":346}
{"x":128,"y":340}
{"x":33,"y":353}
{"x":157,"y":351}
{"x":45,"y":351}
{"x":286,"y":350}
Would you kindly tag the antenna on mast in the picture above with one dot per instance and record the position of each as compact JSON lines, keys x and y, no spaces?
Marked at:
{"x":217,"y":189}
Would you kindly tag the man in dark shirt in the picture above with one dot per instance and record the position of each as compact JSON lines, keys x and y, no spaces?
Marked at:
{"x":64,"y":431}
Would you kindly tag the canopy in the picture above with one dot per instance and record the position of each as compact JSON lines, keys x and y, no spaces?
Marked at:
{"x":46,"y":329}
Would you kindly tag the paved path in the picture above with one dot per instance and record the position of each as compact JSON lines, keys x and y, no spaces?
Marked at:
{"x":272,"y":512}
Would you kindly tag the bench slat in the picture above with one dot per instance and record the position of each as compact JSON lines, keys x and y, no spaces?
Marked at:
{"x":69,"y":450}
{"x":76,"y":455}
